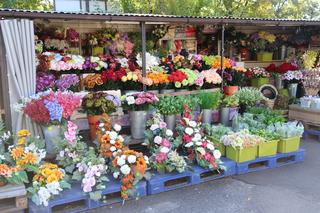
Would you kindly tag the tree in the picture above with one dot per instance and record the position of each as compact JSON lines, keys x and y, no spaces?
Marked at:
{"x":30,"y":4}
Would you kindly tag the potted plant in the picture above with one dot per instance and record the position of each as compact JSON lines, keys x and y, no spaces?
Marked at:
{"x":208,"y":102}
{"x":248,"y":97}
{"x":214,"y":134}
{"x":290,"y":135}
{"x":270,"y":144}
{"x":259,"y":76}
{"x":233,"y":78}
{"x":169,"y":107}
{"x":138,"y":104}
{"x":51,"y":110}
{"x":227,"y":103}
{"x":241,"y":146}
{"x":98,"y":106}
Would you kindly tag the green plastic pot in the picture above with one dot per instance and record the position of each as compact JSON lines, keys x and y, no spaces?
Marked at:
{"x":258,"y":82}
{"x":264,"y":56}
{"x":268,"y":148}
{"x":241,"y":155}
{"x":220,"y":146}
{"x":289,"y":145}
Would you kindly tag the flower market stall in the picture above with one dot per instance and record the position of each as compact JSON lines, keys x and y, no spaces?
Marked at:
{"x":141,"y":104}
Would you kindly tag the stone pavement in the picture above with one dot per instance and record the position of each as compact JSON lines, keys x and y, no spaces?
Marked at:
{"x":293,"y":188}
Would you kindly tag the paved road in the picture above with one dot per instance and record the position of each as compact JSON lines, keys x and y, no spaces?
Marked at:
{"x":293,"y":189}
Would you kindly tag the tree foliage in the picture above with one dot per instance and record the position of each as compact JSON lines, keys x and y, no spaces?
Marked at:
{"x":27,"y":4}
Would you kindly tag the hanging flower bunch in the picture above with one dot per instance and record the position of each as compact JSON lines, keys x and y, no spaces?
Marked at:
{"x":199,"y":148}
{"x":139,"y":101}
{"x":51,"y":107}
{"x":131,"y":167}
{"x":262,"y":41}
{"x":160,"y":141}
{"x":160,"y":31}
{"x":241,"y":139}
{"x":48,"y":181}
{"x":257,"y":72}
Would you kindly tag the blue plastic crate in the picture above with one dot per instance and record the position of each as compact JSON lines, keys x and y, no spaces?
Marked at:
{"x":308,"y":132}
{"x":256,"y":165}
{"x":283,"y":159}
{"x":202,"y":175}
{"x":113,"y":195}
{"x":69,"y":201}
{"x":169,"y":181}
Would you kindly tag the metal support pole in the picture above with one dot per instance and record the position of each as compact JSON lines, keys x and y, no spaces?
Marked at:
{"x":222,"y":54}
{"x":143,"y":52}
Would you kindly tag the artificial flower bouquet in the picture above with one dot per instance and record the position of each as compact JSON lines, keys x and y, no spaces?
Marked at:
{"x":49,"y":180}
{"x":132,"y":80}
{"x":63,"y":62}
{"x":97,"y":103}
{"x":50,"y":108}
{"x":257,"y":72}
{"x":197,"y":146}
{"x":179,"y":78}
{"x":140,"y":101}
{"x":164,"y":157}
{"x":208,"y":78}
{"x":235,"y":76}
{"x":151,"y":61}
{"x":45,"y":81}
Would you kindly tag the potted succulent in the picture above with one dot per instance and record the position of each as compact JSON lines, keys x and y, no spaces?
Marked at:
{"x":229,"y":102}
{"x":241,"y":146}
{"x":138,"y":104}
{"x":208,"y":102}
{"x":98,"y":106}
{"x":214,"y":134}
{"x":270,"y":144}
{"x":248,"y":97}
{"x":169,"y":107}
{"x":259,"y":76}
{"x":290,"y":134}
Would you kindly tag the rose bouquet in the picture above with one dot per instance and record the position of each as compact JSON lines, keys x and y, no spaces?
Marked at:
{"x":93,"y":81}
{"x":111,"y":78}
{"x":208,"y":77}
{"x":177,"y":77}
{"x":132,"y":80}
{"x":131,"y":167}
{"x":160,"y":141}
{"x":48,"y":181}
{"x":139,"y":101}
{"x":198,"y":147}
{"x":51,"y":107}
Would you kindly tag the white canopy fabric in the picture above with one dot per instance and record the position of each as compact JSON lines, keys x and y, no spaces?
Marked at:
{"x":18,"y":37}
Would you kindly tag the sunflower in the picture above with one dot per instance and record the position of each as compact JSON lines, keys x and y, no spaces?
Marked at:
{"x":30,"y":158}
{"x":23,"y":133}
{"x":17,"y":152}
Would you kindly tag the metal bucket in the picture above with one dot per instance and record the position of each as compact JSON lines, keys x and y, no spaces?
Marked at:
{"x":138,"y":121}
{"x":207,"y":116}
{"x":51,"y":133}
{"x":171,"y":121}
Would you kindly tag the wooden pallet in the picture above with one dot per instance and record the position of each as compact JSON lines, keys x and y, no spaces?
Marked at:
{"x":13,"y":198}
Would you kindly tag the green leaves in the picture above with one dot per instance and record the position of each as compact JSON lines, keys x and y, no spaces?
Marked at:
{"x":210,"y":100}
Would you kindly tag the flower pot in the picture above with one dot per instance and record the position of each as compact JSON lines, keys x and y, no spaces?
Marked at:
{"x":51,"y":133}
{"x":289,"y":145}
{"x":138,"y":121}
{"x":264,"y":56}
{"x":292,"y":88}
{"x":97,"y":51}
{"x":241,"y":155}
{"x":165,"y":91}
{"x":206,"y":116}
{"x":93,"y":121}
{"x":230,"y":90}
{"x":170,"y":121}
{"x":224,"y":116}
{"x":258,"y":82}
{"x":278,"y":82}
{"x":268,"y":148}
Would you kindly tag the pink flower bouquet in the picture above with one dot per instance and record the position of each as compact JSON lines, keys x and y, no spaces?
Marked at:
{"x":140,"y":101}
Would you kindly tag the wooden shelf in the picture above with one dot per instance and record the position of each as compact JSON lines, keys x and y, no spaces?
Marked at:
{"x":251,"y":64}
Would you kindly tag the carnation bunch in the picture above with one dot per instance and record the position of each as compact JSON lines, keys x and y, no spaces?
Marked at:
{"x":257,"y":72}
{"x":140,"y":101}
{"x":199,"y":148}
{"x":293,"y":76}
{"x":48,"y":181}
{"x":241,"y":139}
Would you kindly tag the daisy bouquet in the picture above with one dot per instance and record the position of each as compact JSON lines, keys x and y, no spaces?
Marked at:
{"x":198,"y":147}
{"x":129,"y":166}
{"x":48,"y":181}
{"x":160,"y":141}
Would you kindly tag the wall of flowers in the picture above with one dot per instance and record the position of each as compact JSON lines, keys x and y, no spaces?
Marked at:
{"x":198,"y":126}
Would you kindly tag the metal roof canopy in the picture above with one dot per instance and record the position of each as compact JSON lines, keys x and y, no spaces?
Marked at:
{"x":153,"y":18}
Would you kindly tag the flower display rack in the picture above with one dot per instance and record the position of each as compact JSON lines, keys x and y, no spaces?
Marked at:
{"x":256,"y":165}
{"x":111,"y":194}
{"x":203,"y":175}
{"x":169,"y":181}
{"x":13,"y":198}
{"x":283,"y":159}
{"x":71,"y":201}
